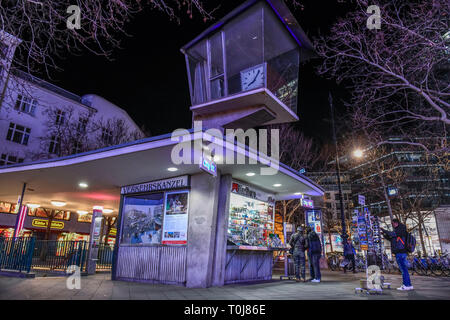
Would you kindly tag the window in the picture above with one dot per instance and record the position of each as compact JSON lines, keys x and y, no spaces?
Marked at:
{"x":328,"y":205}
{"x":18,"y":134}
{"x":60,"y":117}
{"x":3,"y":50}
{"x":77,"y":147}
{"x":216,"y":72}
{"x":55,"y":145}
{"x":327,"y":195}
{"x":107,"y":136}
{"x":8,"y":159}
{"x":26,"y":104}
{"x":82,"y":125}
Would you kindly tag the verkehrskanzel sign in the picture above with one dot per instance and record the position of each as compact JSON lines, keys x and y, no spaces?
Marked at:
{"x":165,"y":184}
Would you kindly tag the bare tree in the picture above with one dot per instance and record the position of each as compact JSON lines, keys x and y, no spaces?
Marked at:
{"x":398,"y":75}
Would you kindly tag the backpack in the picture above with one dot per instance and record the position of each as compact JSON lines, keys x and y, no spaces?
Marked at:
{"x":410,"y":242}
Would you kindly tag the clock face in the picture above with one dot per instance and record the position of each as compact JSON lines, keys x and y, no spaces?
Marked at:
{"x":252,"y":78}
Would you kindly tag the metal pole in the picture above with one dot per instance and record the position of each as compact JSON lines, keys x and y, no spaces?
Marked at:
{"x":338,"y":171}
{"x":19,"y":205}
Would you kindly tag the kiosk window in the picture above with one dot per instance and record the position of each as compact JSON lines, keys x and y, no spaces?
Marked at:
{"x":142,"y":219}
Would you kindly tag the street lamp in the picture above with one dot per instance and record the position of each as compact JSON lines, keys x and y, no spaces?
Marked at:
{"x":358,"y":153}
{"x":338,"y":173}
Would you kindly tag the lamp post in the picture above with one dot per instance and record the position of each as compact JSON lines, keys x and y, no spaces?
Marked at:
{"x":338,"y":172}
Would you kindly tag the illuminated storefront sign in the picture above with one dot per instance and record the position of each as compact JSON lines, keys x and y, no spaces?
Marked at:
{"x":307,"y":203}
{"x":41,"y":223}
{"x":209,"y":166}
{"x":165,"y":184}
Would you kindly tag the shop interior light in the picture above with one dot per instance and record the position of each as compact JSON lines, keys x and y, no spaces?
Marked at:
{"x":58,"y":203}
{"x":83,"y":185}
{"x":277,"y":185}
{"x":108,"y":210}
{"x":298,"y":193}
{"x":172,"y":169}
{"x":250,"y":174}
{"x":82,"y":212}
{"x":33,"y":205}
{"x":100,"y":208}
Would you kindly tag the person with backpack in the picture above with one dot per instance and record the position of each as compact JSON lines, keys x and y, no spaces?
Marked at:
{"x":314,"y":253}
{"x":349,"y":254}
{"x":298,"y":242}
{"x":400,"y":247}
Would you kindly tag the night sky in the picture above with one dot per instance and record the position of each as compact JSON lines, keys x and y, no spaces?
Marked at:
{"x":148,"y":75}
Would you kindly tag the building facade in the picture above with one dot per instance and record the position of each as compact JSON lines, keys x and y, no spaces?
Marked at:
{"x":39,"y":120}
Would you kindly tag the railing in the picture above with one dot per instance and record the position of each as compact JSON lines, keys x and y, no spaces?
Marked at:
{"x":57,"y":256}
{"x":16,"y":254}
{"x":104,"y":257}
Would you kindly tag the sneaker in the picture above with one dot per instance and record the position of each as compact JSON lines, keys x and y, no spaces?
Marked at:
{"x":315,"y":280}
{"x":297,"y":280}
{"x":405,"y":288}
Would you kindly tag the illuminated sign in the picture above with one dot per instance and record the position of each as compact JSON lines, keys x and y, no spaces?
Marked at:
{"x":392,"y":191}
{"x":172,"y":183}
{"x":361,"y":200}
{"x":208,"y":166}
{"x":113,"y":231}
{"x":41,"y":223}
{"x":307,"y":203}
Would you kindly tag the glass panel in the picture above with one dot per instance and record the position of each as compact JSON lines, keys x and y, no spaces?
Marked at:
{"x":244,"y":50}
{"x":197,"y":61}
{"x":217,"y":88}
{"x":282,"y":56}
{"x":142,"y":219}
{"x":216,"y":55}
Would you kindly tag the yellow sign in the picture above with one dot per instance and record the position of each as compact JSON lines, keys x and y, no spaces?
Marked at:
{"x":44,"y":223}
{"x":113,"y":231}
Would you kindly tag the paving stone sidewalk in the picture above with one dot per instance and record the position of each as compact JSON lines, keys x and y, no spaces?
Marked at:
{"x":334,"y":286}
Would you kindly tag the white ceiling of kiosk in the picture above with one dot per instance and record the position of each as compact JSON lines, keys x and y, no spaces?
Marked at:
{"x":106,"y":170}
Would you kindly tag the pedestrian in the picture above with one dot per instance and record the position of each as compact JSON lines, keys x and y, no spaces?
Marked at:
{"x":298,"y":242}
{"x":349,"y":254}
{"x":314,"y":253}
{"x":398,"y":247}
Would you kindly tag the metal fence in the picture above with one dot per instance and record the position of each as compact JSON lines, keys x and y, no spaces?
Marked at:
{"x":16,"y":253}
{"x":57,"y":256}
{"x":26,"y":254}
{"x":104,"y":257}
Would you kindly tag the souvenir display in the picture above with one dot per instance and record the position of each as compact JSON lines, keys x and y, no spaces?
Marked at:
{"x":251,"y":222}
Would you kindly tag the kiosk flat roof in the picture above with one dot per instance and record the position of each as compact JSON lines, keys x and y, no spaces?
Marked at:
{"x":106,"y":170}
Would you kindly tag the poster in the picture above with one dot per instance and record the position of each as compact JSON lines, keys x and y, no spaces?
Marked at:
{"x":362,"y":232}
{"x":175,"y":218}
{"x":142,"y":220}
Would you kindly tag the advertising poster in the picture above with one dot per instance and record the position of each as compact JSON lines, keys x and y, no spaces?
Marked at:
{"x":362,"y":232}
{"x":142,"y":219}
{"x":175,"y":218}
{"x":313,"y":219}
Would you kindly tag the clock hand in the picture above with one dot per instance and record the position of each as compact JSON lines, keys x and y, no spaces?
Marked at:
{"x":255,"y":77}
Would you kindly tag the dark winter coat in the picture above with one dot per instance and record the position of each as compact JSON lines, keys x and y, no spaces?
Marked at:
{"x":397,"y":238}
{"x":348,"y":249}
{"x":298,"y":242}
{"x":313,"y":243}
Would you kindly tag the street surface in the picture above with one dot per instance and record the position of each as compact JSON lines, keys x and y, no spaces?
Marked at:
{"x":334,"y":285}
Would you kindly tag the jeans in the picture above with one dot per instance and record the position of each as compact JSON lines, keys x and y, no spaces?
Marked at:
{"x":314,"y":265}
{"x":352,"y":260}
{"x":299,"y":261}
{"x":402,"y":264}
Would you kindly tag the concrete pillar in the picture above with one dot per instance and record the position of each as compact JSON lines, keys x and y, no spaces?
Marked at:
{"x":220,"y":253}
{"x":201,"y":230}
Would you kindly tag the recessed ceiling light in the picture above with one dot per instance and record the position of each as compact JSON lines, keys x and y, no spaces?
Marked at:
{"x":250,"y":174}
{"x":108,"y":210}
{"x":82,"y":212}
{"x":298,"y":193}
{"x":172,"y":169}
{"x":83,"y":185}
{"x":277,"y":185}
{"x":33,"y":205}
{"x":58,"y":203}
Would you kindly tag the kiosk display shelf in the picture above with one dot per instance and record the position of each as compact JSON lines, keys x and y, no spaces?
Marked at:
{"x":250,"y":222}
